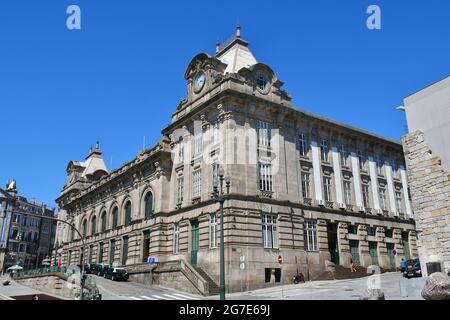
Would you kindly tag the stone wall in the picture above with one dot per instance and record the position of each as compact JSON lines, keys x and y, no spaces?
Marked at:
{"x":51,"y":284}
{"x":430,"y":193}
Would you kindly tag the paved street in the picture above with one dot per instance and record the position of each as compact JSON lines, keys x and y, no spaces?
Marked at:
{"x":118,"y":290}
{"x":395,"y":287}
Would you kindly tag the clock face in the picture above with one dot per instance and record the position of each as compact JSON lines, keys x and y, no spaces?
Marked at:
{"x":199,"y":81}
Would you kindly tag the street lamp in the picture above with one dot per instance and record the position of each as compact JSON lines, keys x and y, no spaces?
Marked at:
{"x":219,"y":195}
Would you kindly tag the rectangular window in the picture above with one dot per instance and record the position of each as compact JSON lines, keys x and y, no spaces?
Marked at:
{"x":265,"y":177}
{"x":198,"y":146}
{"x":344,"y":155}
{"x":213,"y":232}
{"x":379,"y":161}
{"x":125,"y":251}
{"x":196,"y":184}
{"x":382,"y":192}
{"x":180,"y":182}
{"x":180,"y":152}
{"x":215,"y":166}
{"x":310,"y":234}
{"x":324,"y":150}
{"x":361,"y":159}
{"x":302,"y":145}
{"x":100,"y":253}
{"x":327,"y":188}
{"x":146,"y":246}
{"x":176,"y":238}
{"x":371,"y":231}
{"x":269,"y":231}
{"x":348,"y":192}
{"x":305,"y":185}
{"x":112,"y":252}
{"x":365,"y":194}
{"x":264,"y":133}
{"x":352,"y":229}
{"x":388,"y":233}
{"x":398,"y":201}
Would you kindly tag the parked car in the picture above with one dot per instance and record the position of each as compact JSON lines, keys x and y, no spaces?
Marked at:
{"x":87,"y":268}
{"x":100,"y":269}
{"x":117,"y":274}
{"x":412,"y":269}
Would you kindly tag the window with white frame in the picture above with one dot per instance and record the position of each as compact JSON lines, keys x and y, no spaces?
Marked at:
{"x":265,"y":177}
{"x":270,"y":233}
{"x":344,"y":155}
{"x":216,"y":132}
{"x":264,"y":133}
{"x":306,"y":185}
{"x":347,"y":192}
{"x":198,"y":146}
{"x":365,"y":195}
{"x":398,"y":201}
{"x":324,"y":150}
{"x":362,"y":159}
{"x":383,"y":203}
{"x":180,"y":189}
{"x":180,"y":152}
{"x":176,"y":238}
{"x":213,"y":232}
{"x":196,"y":184}
{"x":327,"y":188}
{"x":302,"y":145}
{"x":310,"y":235}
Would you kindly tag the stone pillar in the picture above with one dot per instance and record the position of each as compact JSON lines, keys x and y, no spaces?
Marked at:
{"x":322,"y":239}
{"x":315,"y":150}
{"x":356,"y":180}
{"x":390,"y":189}
{"x":398,"y":245}
{"x":364,"y":255}
{"x":374,"y":184}
{"x":412,"y":237}
{"x":383,"y":258}
{"x":343,"y":244}
{"x":337,"y":175}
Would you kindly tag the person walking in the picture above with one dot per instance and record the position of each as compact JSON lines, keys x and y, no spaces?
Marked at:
{"x":403,"y":265}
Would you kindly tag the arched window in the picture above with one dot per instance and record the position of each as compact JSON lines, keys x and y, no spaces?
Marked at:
{"x":128,"y":213}
{"x":148,"y":205}
{"x":103,"y":221}
{"x":115,"y":217}
{"x":84,"y":228}
{"x":93,"y":225}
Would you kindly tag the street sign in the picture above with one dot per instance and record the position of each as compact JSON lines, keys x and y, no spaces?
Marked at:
{"x":151,"y":260}
{"x":394,"y":252}
{"x":280,"y":260}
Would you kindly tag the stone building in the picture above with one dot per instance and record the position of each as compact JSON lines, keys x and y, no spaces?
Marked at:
{"x":303,"y":187}
{"x":25,"y":237}
{"x":427,"y":154}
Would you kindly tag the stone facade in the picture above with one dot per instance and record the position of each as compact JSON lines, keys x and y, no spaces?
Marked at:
{"x":298,"y":181}
{"x":430,"y":189}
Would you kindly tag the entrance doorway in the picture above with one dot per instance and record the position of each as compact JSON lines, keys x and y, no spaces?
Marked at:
{"x":333,"y":242}
{"x":354,"y":251}
{"x":390,"y":249}
{"x":194,"y":241}
{"x":373,"y":252}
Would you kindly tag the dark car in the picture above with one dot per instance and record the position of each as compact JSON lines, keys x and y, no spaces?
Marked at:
{"x":100,"y":269}
{"x":87,"y":268}
{"x":117,"y":274}
{"x":412,"y":269}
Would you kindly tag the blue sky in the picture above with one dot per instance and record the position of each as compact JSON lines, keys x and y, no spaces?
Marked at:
{"x":121,"y":77}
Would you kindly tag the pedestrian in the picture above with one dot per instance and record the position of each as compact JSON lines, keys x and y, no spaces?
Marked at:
{"x":352,"y":266}
{"x":403,"y":265}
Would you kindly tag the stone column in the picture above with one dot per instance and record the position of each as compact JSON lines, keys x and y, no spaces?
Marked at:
{"x":374,"y":184}
{"x":337,"y":175}
{"x":343,"y":244}
{"x":412,"y":236}
{"x":316,"y":171}
{"x":322,"y":239}
{"x":356,"y":180}
{"x":383,"y":258}
{"x":364,"y":255}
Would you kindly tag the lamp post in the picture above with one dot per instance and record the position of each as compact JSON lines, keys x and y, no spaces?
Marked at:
{"x":219,"y":195}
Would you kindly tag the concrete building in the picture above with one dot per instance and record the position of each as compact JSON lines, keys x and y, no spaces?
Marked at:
{"x":427,"y":153}
{"x":304,"y":188}
{"x":25,"y":237}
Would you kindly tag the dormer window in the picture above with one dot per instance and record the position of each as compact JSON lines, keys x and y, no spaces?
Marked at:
{"x":262,"y":83}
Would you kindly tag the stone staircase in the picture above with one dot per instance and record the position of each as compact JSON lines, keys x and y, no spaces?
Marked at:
{"x":213,"y":287}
